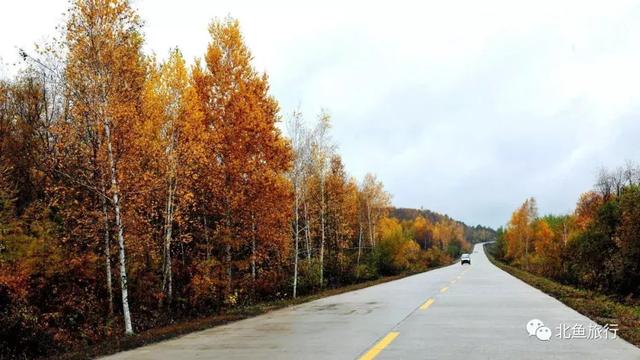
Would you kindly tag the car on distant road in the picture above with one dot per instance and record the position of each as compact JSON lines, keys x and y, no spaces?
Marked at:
{"x":465,"y":258}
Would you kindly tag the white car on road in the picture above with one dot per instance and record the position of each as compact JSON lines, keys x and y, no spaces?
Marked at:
{"x":465,"y":258}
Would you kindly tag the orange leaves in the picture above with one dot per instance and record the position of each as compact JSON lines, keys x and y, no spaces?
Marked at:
{"x":587,"y":208}
{"x":246,"y":156}
{"x":519,"y":234}
{"x":543,"y":235}
{"x":537,"y":243}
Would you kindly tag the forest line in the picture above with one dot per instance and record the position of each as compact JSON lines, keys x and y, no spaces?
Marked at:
{"x":596,"y":247}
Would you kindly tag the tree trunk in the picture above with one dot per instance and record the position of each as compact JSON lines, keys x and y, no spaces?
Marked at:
{"x":107,"y":249}
{"x":167,"y":286}
{"x":229,"y":272}
{"x":206,"y":236}
{"x":172,"y":184}
{"x":322,"y":220}
{"x":338,"y":252}
{"x":359,"y":241}
{"x":295,"y":253}
{"x":307,"y":222}
{"x":253,"y":253}
{"x":228,"y":249}
{"x":370,"y":225}
{"x":120,"y":230}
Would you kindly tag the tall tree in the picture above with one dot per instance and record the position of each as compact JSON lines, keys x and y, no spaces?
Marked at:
{"x":299,"y":138}
{"x":376,"y":202}
{"x":171,"y":115}
{"x":105,"y":75}
{"x":250,"y":152}
{"x":322,"y":149}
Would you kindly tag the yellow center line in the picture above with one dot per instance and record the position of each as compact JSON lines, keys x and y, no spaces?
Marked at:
{"x":444,"y":289}
{"x":379,"y":346}
{"x":426,"y":305}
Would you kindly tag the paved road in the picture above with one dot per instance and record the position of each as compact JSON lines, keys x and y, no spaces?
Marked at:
{"x":456,"y":312}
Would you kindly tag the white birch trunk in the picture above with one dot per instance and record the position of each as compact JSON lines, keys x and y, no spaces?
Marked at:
{"x":307,"y":222}
{"x":120,"y":230}
{"x":228,"y":250}
{"x":370,"y":224}
{"x":107,"y":250}
{"x":359,"y":241}
{"x":253,"y":251}
{"x":322,"y":220}
{"x":167,"y":286}
{"x":295,"y":255}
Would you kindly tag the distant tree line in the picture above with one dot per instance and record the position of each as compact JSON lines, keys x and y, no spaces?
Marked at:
{"x":472,"y":234}
{"x":596,"y":247}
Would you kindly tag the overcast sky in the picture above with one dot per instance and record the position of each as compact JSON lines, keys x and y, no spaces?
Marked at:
{"x":462,"y":107}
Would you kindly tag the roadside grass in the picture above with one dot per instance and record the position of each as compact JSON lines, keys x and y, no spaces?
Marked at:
{"x":122,"y":343}
{"x":600,"y":308}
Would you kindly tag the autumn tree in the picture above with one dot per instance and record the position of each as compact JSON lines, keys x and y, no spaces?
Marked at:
{"x":249,"y":151}
{"x":587,"y":208}
{"x":449,"y":236}
{"x":519,"y":233}
{"x":376,"y":202}
{"x":171,"y":146}
{"x":105,"y":77}
{"x":300,"y":143}
{"x":629,"y":239}
{"x":547,"y":248}
{"x":341,"y":212}
{"x":397,"y":250}
{"x":322,"y":149}
{"x":423,"y":231}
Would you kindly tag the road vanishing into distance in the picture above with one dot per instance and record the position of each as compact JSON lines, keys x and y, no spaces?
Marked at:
{"x":455,"y":312}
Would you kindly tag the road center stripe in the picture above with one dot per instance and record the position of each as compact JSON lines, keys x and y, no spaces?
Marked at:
{"x":379,"y":346}
{"x":426,"y":305}
{"x":444,"y":289}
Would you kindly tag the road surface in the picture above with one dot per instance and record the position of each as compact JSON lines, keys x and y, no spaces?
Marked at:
{"x":455,"y":312}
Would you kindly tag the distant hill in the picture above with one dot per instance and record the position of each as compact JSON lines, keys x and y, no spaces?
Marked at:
{"x":473,"y":234}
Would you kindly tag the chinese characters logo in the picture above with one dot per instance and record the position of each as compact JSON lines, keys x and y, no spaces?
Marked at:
{"x":536,"y":327}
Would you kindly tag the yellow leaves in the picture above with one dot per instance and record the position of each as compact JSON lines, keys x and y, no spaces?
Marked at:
{"x":446,"y":231}
{"x":389,"y":227}
{"x":519,"y":233}
{"x":405,"y":253}
{"x":407,"y":256}
{"x":543,"y":235}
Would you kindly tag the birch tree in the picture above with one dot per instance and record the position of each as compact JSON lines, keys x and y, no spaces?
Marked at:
{"x":322,"y":149}
{"x":105,"y":76}
{"x":167,"y":109}
{"x":376,"y":202}
{"x":299,"y":138}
